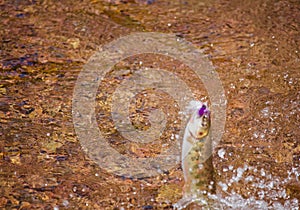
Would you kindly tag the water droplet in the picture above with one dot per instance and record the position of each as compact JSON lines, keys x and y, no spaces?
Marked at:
{"x":256,"y":134}
{"x":223,"y":186}
{"x":265,"y":112}
{"x":65,"y":203}
{"x":262,"y":172}
{"x":221,"y":153}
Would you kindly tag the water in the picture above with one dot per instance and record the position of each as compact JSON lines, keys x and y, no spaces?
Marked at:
{"x":254,"y":47}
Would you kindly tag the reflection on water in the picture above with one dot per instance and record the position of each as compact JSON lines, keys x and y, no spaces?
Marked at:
{"x":254,"y":47}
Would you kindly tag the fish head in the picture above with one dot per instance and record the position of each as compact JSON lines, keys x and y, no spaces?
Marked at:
{"x":199,"y":123}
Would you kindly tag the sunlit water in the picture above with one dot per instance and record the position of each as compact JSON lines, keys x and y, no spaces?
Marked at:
{"x":254,"y":47}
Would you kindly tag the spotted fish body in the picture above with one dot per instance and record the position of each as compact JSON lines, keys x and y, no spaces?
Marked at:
{"x":196,"y":161}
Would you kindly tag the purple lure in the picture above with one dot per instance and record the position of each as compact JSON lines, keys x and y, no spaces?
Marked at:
{"x":202,"y":111}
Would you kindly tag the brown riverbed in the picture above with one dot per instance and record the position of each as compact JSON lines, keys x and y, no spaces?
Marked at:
{"x":254,"y":47}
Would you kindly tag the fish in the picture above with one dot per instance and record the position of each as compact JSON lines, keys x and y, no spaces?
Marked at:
{"x":196,"y":161}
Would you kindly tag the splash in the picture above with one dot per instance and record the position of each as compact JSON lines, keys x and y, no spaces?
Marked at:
{"x":269,"y":190}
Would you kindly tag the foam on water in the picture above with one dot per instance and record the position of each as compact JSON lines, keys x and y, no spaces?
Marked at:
{"x":236,"y":201}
